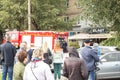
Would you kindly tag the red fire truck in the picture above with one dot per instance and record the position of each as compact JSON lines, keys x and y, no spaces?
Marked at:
{"x":36,"y":38}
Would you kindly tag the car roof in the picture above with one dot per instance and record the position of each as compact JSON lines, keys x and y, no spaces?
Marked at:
{"x":110,"y":52}
{"x":104,"y":49}
{"x":109,"y":48}
{"x":113,"y":52}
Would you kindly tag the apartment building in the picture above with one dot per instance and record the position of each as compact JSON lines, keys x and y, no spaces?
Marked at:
{"x":82,"y":26}
{"x":73,"y":11}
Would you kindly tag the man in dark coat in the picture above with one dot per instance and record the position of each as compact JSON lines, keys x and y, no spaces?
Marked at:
{"x":29,"y":53}
{"x":64,"y":46}
{"x":8,"y":52}
{"x":74,"y":67}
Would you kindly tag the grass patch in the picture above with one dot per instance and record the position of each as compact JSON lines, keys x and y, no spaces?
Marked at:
{"x":0,"y":76}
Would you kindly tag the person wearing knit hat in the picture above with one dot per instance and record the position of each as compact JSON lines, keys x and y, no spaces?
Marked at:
{"x":37,"y":69}
{"x":73,"y":52}
{"x":74,"y":67}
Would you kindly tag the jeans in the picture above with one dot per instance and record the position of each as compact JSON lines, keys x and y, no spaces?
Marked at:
{"x":57,"y":70}
{"x":5,"y":70}
{"x":92,"y":75}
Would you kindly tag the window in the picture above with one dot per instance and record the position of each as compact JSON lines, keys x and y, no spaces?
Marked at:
{"x":79,"y":20}
{"x":111,"y":57}
{"x":66,"y":19}
{"x":78,"y":4}
{"x":67,"y":3}
{"x":104,"y":49}
{"x":118,"y":56}
{"x":72,"y":33}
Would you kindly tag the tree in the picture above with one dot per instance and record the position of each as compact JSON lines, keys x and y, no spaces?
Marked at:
{"x":103,"y":12}
{"x":13,"y":14}
{"x":46,"y":14}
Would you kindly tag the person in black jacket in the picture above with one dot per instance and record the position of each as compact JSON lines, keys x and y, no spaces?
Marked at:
{"x":47,"y":58}
{"x":63,"y":45}
{"x":29,"y":54}
{"x":8,"y":52}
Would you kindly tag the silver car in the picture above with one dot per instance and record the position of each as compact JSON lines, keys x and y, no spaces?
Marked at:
{"x":105,"y":49}
{"x":109,"y":66}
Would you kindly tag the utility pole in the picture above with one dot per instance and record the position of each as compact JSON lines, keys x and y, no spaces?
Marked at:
{"x":29,"y":15}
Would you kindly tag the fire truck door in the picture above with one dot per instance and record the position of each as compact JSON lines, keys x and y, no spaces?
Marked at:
{"x":27,"y":39}
{"x":38,"y":42}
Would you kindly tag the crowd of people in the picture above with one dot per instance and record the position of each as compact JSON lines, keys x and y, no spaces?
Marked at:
{"x":35,"y":64}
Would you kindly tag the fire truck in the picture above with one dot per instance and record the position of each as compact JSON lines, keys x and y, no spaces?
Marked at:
{"x":36,"y":38}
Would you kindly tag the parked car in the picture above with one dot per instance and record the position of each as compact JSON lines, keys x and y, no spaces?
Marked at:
{"x":105,"y":49}
{"x":109,"y":66}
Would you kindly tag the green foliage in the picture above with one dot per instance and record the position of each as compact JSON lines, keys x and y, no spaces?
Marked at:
{"x":111,"y":42}
{"x":105,"y":13}
{"x":74,"y":44}
{"x":13,"y":14}
{"x":0,"y":76}
{"x":115,"y":41}
{"x":45,"y":14}
{"x":102,"y":12}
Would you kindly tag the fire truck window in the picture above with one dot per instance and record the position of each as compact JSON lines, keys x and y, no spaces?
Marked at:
{"x":13,"y":36}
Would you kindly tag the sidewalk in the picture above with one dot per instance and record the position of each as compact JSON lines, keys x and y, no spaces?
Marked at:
{"x":63,"y":78}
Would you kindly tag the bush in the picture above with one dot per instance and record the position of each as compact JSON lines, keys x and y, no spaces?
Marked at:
{"x":111,"y":42}
{"x":0,"y":75}
{"x":74,"y":44}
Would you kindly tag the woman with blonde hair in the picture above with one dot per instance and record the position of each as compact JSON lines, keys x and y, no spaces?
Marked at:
{"x":57,"y":60}
{"x":46,"y":49}
{"x":37,"y":69}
